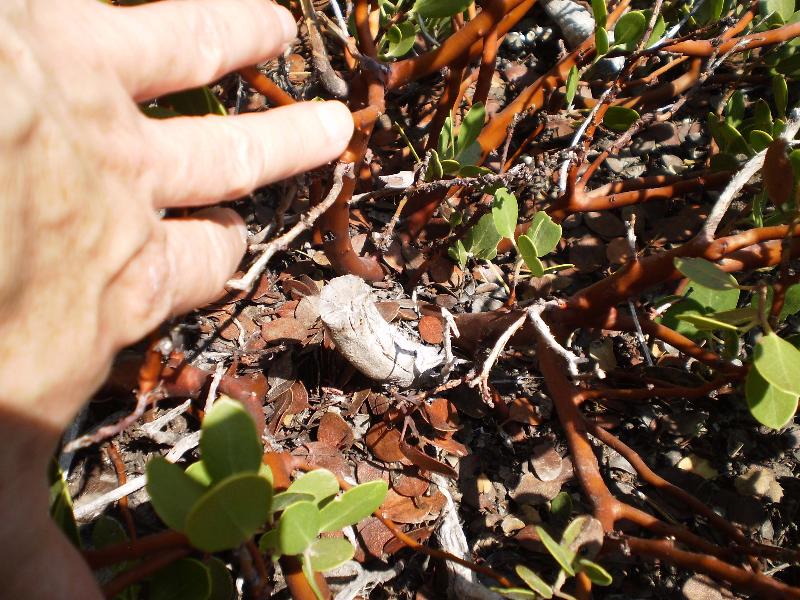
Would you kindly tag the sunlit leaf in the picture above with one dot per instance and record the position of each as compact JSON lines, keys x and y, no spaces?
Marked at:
{"x":780,"y":91}
{"x":298,"y":527}
{"x":285,"y":499}
{"x":600,"y":41}
{"x":482,"y":238}
{"x":435,"y":170}
{"x":561,"y":555}
{"x":759,"y":140}
{"x":470,"y":129}
{"x":458,"y":253}
{"x":528,"y":252}
{"x":710,"y":11}
{"x":515,"y":593}
{"x":768,"y":405}
{"x":320,"y":483}
{"x":355,"y":504}
{"x":572,"y":82}
{"x":446,"y":145}
{"x":596,"y":574}
{"x":199,"y":473}
{"x":328,"y":553}
{"x":629,"y":28}
{"x":173,"y":493}
{"x":434,"y":9}
{"x":229,"y":442}
{"x":705,"y":323}
{"x":705,"y":273}
{"x":600,"y":12}
{"x":734,"y":109}
{"x":401,"y":38}
{"x":505,"y":212}
{"x":229,"y":513}
{"x":658,"y":30}
{"x":778,"y":362}
{"x":619,"y":118}
{"x":791,"y":302}
{"x":783,"y":8}
{"x":561,"y":506}
{"x":544,"y":233}
{"x":533,"y":581}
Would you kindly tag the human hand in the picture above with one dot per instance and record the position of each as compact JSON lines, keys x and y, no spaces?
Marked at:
{"x":86,"y":266}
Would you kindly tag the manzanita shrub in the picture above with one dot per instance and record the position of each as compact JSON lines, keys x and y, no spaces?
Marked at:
{"x":227,"y":497}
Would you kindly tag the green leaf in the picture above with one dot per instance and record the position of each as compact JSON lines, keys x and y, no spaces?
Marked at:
{"x":482,"y":238}
{"x":320,"y":483}
{"x":173,"y":493}
{"x":473,"y":170}
{"x":561,"y":555}
{"x":780,"y":91}
{"x":505,"y":212}
{"x":355,"y":504}
{"x":445,"y":147}
{"x":727,"y":138}
{"x":768,"y":405}
{"x":783,"y":8}
{"x":285,"y":499}
{"x":778,"y":362}
{"x":298,"y":527}
{"x":458,"y":253}
{"x":515,"y":593}
{"x":619,"y":118}
{"x":229,"y":443}
{"x":199,"y":473}
{"x":470,"y":128}
{"x":600,"y":42}
{"x":760,"y":140}
{"x":195,"y":102}
{"x":572,"y":84}
{"x":308,"y":571}
{"x":544,"y":233}
{"x":658,"y":30}
{"x":710,"y":11}
{"x":713,"y":300}
{"x":705,"y":273}
{"x":791,"y":302}
{"x":221,"y":582}
{"x":600,"y":12}
{"x":61,"y":504}
{"x":436,"y":9}
{"x":229,"y":513}
{"x":561,"y":506}
{"x":734,"y":109}
{"x":435,"y":169}
{"x":737,"y":316}
{"x":762,"y":115}
{"x":470,"y":156}
{"x":328,"y":553}
{"x":268,"y":543}
{"x":705,"y":323}
{"x":185,"y":579}
{"x":401,"y":38}
{"x":450,"y":166}
{"x":533,"y":581}
{"x":629,"y":29}
{"x":528,"y":252}
{"x":596,"y":574}
{"x":107,"y":531}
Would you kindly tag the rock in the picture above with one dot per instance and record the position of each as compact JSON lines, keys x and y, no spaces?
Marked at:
{"x":701,"y":587}
{"x":760,"y":482}
{"x":572,"y":221}
{"x":618,"y":165}
{"x":533,"y":491}
{"x":641,"y":146}
{"x":673,"y":164}
{"x":618,"y":251}
{"x":547,"y":463}
{"x":606,"y":224}
{"x":588,"y":254}
{"x":511,"y":525}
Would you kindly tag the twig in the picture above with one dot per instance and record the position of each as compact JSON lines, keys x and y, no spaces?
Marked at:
{"x":534,"y":313}
{"x":319,"y":56}
{"x":366,"y":581}
{"x":219,"y":372}
{"x":450,"y":329}
{"x":482,"y":378}
{"x":306,"y":221}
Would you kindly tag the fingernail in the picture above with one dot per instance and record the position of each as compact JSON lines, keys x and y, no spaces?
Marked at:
{"x":287,"y":23}
{"x":336,"y":120}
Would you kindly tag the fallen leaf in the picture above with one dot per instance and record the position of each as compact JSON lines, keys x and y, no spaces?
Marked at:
{"x":431,"y":330}
{"x":284,"y":329}
{"x":335,"y":431}
{"x":408,"y":484}
{"x":426,"y":462}
{"x":384,"y":442}
{"x":442,"y":415}
{"x":523,"y":411}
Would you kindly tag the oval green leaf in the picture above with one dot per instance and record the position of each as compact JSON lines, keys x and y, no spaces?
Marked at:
{"x":320,"y":483}
{"x":599,"y":12}
{"x":185,"y":579}
{"x":285,"y":499}
{"x":600,"y":42}
{"x":436,"y":9}
{"x":706,"y":273}
{"x":482,"y":238}
{"x":298,"y":527}
{"x":596,"y":574}
{"x":505,"y":212}
{"x":619,"y":118}
{"x":173,"y":493}
{"x":562,"y":556}
{"x":528,"y":252}
{"x":571,"y":86}
{"x":229,"y":513}
{"x":778,"y":362}
{"x":328,"y":553}
{"x":355,"y":504}
{"x":760,"y":140}
{"x":470,"y":129}
{"x":544,"y":233}
{"x":630,"y":28}
{"x":768,"y":405}
{"x":229,"y":443}
{"x":533,"y":581}
{"x":199,"y":473}
{"x":222,"y":587}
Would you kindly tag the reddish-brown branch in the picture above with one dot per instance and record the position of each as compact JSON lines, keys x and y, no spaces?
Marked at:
{"x":463,"y":44}
{"x":446,"y":103}
{"x":133,"y":550}
{"x":266,"y":87}
{"x":746,"y":581}
{"x":496,"y":10}
{"x":747,"y":42}
{"x":122,"y":478}
{"x":142,"y":571}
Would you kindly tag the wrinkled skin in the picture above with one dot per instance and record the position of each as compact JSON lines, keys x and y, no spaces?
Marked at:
{"x":86,"y":265}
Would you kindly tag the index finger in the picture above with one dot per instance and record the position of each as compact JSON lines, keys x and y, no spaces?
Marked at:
{"x":174,"y":45}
